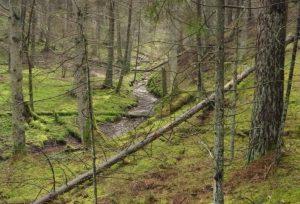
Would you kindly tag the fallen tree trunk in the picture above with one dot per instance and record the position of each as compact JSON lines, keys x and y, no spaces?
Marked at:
{"x":135,"y":147}
{"x":150,"y":138}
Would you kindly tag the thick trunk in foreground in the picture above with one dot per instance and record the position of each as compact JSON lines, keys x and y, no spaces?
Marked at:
{"x":16,"y":77}
{"x":268,"y":96}
{"x":219,"y":107}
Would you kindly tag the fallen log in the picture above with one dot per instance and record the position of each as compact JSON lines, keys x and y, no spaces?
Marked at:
{"x":135,"y":147}
{"x":150,"y":138}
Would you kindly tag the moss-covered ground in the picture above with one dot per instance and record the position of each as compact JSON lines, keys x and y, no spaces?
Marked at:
{"x":176,"y":168}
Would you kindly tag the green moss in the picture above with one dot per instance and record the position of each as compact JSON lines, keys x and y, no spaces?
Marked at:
{"x":154,"y":85}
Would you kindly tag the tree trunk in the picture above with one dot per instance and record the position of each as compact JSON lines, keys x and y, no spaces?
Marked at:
{"x":269,"y":77}
{"x":98,"y":29}
{"x":138,"y":46}
{"x":248,"y":4}
{"x":164,"y":81}
{"x":127,"y":54}
{"x":173,"y":51}
{"x":108,"y":83}
{"x":48,"y":25}
{"x":235,"y":93}
{"x":229,"y":12}
{"x":119,"y":38}
{"x":81,"y":76}
{"x":23,"y":23}
{"x":199,"y":49}
{"x":289,"y":84}
{"x":67,"y":18}
{"x":219,"y":107}
{"x":16,"y":77}
{"x":31,"y":54}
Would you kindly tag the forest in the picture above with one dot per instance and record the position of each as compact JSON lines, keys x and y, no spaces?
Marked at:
{"x":149,"y":101}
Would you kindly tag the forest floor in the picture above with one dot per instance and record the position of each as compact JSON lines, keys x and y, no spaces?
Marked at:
{"x":177,"y":168}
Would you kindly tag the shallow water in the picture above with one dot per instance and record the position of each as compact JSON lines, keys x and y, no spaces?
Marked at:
{"x":136,"y":115}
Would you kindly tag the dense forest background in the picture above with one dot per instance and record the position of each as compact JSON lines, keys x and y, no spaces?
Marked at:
{"x":149,"y":101}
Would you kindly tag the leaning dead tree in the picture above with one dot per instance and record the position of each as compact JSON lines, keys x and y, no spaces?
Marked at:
{"x":150,"y":138}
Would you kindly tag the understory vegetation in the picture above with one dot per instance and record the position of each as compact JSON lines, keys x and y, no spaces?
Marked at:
{"x":177,"y":167}
{"x":124,"y":102}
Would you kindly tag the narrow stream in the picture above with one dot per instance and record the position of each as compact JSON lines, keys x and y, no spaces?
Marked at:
{"x":136,"y":115}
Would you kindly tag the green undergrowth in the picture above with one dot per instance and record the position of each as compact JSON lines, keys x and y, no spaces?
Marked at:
{"x":178,"y":166}
{"x":154,"y":85}
{"x":175,"y":168}
{"x":53,"y":102}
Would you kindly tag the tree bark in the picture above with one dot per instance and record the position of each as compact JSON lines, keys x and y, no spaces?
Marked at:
{"x":229,"y":12}
{"x":289,"y":85}
{"x":200,"y":51}
{"x":219,"y":107}
{"x":269,"y":78}
{"x":16,"y":77}
{"x":98,"y":29}
{"x":235,"y":93}
{"x":108,"y":83}
{"x":31,"y":54}
{"x":119,"y":38}
{"x":138,"y":46}
{"x":174,"y":36}
{"x":48,"y":11}
{"x":81,"y":76}
{"x":127,"y":54}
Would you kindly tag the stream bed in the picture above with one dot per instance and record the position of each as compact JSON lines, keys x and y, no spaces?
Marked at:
{"x":136,"y":115}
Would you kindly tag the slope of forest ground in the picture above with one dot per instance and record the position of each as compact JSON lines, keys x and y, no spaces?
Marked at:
{"x":177,"y":167}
